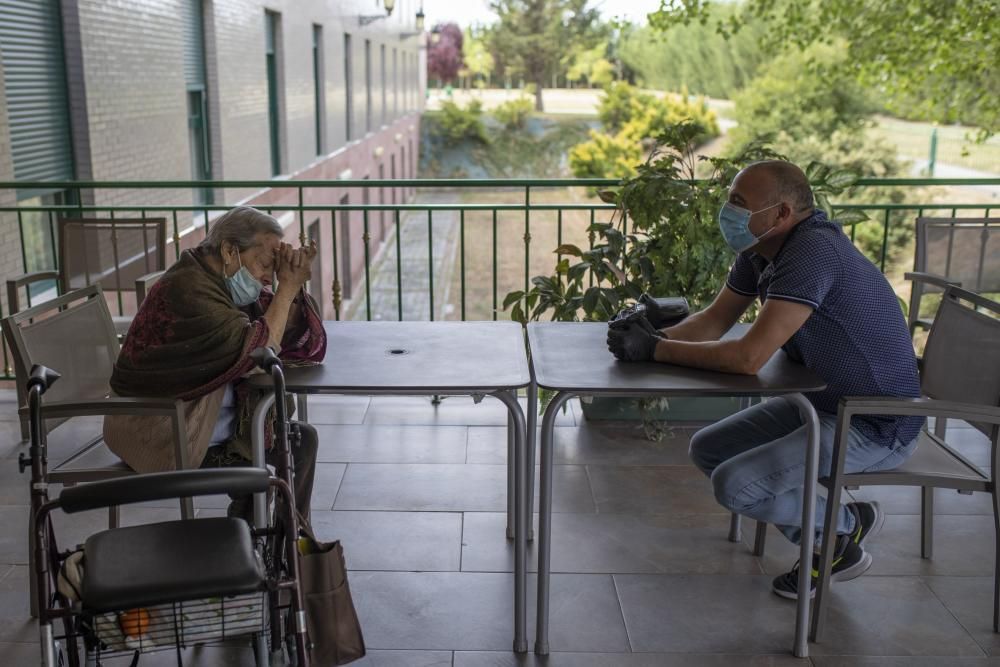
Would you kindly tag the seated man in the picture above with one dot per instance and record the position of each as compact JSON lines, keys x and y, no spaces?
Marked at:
{"x":829,"y":308}
{"x":192,"y":339}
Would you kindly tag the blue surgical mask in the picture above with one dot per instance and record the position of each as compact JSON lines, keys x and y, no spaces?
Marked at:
{"x":243,"y":287}
{"x":735,"y":224}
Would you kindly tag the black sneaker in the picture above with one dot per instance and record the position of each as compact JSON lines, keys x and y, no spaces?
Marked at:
{"x":868,"y":520}
{"x":850,"y":561}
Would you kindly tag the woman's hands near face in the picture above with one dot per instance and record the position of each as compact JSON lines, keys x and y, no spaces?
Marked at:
{"x":294,"y":265}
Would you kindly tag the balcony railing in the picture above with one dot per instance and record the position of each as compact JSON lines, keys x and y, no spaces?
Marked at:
{"x":500,"y":232}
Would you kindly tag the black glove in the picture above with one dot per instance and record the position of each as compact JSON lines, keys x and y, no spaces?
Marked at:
{"x":664,"y":312}
{"x":633,"y":338}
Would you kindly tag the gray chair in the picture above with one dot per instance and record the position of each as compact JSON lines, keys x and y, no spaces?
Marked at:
{"x":964,"y":252}
{"x":74,"y":335}
{"x":145,"y":283}
{"x":960,"y":379}
{"x":100,"y":251}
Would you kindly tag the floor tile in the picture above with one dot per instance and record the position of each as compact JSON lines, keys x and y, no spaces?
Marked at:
{"x":338,"y":409}
{"x":963,"y":546}
{"x":474,"y":611}
{"x":450,"y":488}
{"x":908,"y":661}
{"x":620,"y":445}
{"x":392,"y":444}
{"x":615,"y":543}
{"x":407,"y":541}
{"x":16,"y":624}
{"x":970,"y":599}
{"x":453,"y":411}
{"x":661,"y":490}
{"x":405,"y":659}
{"x":906,"y":500}
{"x":885,"y":616}
{"x":326,"y":485}
{"x":556,"y":659}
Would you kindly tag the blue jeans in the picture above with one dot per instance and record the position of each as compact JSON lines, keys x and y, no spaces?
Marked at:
{"x":756,"y":460}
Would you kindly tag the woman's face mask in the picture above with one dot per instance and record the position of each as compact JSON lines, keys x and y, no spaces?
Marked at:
{"x":243,"y":287}
{"x":735,"y":224}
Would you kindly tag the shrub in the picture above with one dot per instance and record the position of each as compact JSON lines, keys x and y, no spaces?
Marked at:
{"x":458,"y":124}
{"x":513,"y":114}
{"x":619,"y":103}
{"x":605,"y":156}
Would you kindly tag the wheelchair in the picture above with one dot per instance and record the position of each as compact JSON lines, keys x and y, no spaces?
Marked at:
{"x":170,"y":585}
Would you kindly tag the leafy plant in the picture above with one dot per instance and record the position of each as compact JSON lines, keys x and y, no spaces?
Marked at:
{"x":663,"y":237}
{"x":458,"y":124}
{"x":513,"y":114}
{"x":605,"y":156}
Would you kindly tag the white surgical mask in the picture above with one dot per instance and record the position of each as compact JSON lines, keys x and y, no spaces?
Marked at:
{"x":243,"y":287}
{"x":735,"y":224}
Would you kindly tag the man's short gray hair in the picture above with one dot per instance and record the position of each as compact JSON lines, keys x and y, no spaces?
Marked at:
{"x":240,"y":227}
{"x":790,"y":182}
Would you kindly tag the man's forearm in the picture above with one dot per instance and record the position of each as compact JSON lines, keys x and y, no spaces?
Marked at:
{"x":696,"y":328}
{"x":728,"y":356}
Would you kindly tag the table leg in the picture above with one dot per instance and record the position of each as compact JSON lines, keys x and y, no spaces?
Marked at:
{"x":257,"y":426}
{"x":522,"y":518}
{"x":302,"y":408}
{"x":735,"y":534}
{"x":811,"y":419}
{"x":545,"y":522}
{"x":532,"y":442}
{"x":511,"y":491}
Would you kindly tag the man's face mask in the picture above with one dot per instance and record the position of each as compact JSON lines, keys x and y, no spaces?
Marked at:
{"x":735,"y":224}
{"x":243,"y":287}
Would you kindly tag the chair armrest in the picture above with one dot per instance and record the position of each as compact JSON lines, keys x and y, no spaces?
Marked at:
{"x":163,"y":485}
{"x":14,"y":284}
{"x":919,"y":407}
{"x":931,"y":278}
{"x":142,"y":284}
{"x":111,"y":405}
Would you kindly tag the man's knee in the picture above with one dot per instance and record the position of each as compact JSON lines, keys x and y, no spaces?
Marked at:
{"x":730,"y":490}
{"x":701,"y":450}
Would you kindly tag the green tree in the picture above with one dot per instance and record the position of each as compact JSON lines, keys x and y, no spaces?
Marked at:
{"x":592,"y":66}
{"x":534,"y":35}
{"x":942,"y":55}
{"x":478,"y":61}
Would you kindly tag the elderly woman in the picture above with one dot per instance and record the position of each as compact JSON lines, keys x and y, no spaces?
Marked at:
{"x":192,"y":340}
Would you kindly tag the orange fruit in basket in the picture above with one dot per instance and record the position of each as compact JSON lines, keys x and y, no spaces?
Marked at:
{"x":134,"y":622}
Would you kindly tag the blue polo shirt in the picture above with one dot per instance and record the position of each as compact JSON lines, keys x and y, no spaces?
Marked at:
{"x":856,"y":339}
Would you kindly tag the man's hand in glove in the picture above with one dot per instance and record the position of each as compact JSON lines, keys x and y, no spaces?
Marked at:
{"x":633,"y":339}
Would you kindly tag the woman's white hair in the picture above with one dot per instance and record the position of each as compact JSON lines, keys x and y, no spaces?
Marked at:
{"x":240,"y":227}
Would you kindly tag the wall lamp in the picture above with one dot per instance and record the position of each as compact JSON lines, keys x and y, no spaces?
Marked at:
{"x":419,"y":24}
{"x":389,"y":6}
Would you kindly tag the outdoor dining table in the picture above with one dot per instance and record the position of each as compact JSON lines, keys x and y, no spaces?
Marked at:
{"x":475,"y":359}
{"x":572,"y":359}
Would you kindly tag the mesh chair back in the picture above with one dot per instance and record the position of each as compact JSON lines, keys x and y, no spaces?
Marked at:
{"x":963,"y":249}
{"x":73,"y":335}
{"x":110,"y":253}
{"x":962,"y":357}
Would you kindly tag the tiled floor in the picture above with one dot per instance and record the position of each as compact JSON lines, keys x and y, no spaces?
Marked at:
{"x":644,"y":574}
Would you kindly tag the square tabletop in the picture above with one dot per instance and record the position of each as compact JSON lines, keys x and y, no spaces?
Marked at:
{"x":415,"y":357}
{"x":573,"y":357}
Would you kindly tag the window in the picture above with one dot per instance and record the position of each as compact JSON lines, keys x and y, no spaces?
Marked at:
{"x":197,"y":98}
{"x":346,"y":282}
{"x":318,"y":89}
{"x":395,"y":83}
{"x":384,"y":92}
{"x":348,"y":89}
{"x":368,"y":86}
{"x":272,"y":36}
{"x":316,"y":283}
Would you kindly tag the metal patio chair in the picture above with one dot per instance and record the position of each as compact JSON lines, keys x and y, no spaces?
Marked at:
{"x":960,"y":379}
{"x":100,"y":251}
{"x":964,"y":252}
{"x":74,"y":333}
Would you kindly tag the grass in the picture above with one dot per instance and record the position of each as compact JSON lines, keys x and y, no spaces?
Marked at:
{"x":954,"y":147}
